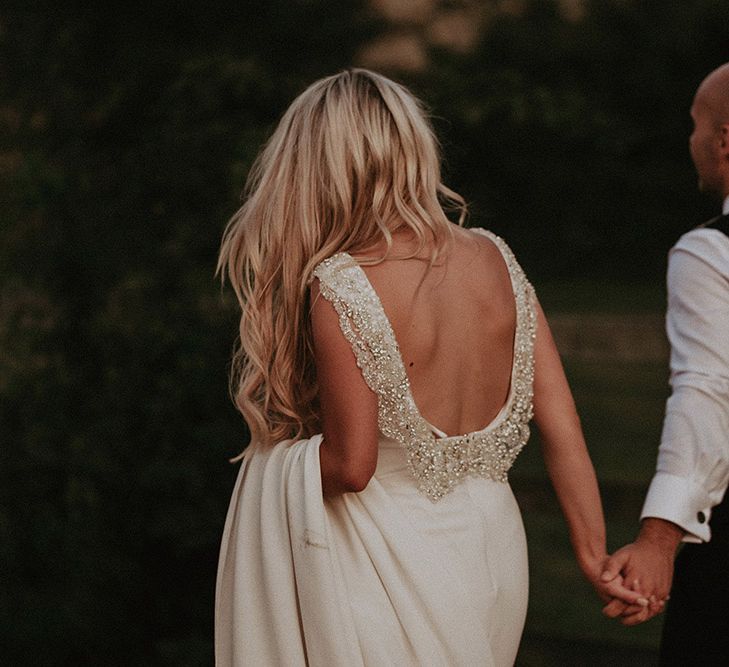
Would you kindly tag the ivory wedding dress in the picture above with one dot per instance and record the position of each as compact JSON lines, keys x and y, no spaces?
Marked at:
{"x":426,"y":566}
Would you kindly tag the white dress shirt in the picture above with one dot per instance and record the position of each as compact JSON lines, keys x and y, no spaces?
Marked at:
{"x":693,"y":459}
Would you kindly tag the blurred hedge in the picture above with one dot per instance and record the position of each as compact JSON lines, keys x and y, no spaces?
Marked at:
{"x":126,"y":135}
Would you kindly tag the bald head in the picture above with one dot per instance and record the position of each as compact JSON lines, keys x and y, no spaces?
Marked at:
{"x":709,"y":142}
{"x":713,"y":93}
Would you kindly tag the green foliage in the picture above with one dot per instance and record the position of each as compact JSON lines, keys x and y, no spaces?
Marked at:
{"x":126,"y":134}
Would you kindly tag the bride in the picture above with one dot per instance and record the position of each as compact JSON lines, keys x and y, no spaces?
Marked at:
{"x":390,"y":362}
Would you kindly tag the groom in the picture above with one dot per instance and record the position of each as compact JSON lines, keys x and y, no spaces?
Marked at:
{"x":685,"y":501}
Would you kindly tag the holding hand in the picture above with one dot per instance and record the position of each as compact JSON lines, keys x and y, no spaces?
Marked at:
{"x":646,"y":566}
{"x":613,"y":589}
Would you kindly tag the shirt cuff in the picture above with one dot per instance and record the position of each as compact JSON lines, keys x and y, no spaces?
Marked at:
{"x":680,"y":501}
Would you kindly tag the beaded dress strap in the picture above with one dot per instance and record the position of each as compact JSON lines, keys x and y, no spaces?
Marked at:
{"x":365,"y":325}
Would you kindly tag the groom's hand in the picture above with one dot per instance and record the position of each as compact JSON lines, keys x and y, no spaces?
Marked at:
{"x":646,"y":565}
{"x":630,"y":614}
{"x":613,"y":589}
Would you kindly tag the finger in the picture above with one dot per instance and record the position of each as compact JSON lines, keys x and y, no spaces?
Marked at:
{"x":632,"y":609}
{"x":613,"y":566}
{"x":614,"y":608}
{"x":642,"y":616}
{"x":657,"y":605}
{"x":639,"y":617}
{"x":625,"y":594}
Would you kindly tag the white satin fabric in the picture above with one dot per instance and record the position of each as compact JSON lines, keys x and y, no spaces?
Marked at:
{"x":381,"y":577}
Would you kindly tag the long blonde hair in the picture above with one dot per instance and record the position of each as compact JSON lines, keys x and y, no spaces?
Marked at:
{"x":352,"y":160}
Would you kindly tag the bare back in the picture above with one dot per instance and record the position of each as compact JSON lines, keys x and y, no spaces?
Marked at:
{"x":455,"y":325}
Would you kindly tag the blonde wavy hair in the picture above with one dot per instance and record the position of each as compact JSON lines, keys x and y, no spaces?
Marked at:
{"x":353,"y":159}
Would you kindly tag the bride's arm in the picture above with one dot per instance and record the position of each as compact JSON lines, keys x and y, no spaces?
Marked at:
{"x":568,"y":462}
{"x":348,"y":407}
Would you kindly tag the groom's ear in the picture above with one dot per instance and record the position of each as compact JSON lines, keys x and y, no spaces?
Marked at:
{"x":724,"y":141}
{"x":724,"y":130}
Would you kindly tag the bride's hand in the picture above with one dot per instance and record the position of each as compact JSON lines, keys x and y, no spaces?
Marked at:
{"x":613,"y":590}
{"x":633,"y":614}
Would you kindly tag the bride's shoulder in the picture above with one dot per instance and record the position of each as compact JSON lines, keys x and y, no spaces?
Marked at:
{"x":483,"y":241}
{"x":478,"y":235}
{"x":493,"y":243}
{"x":332,"y":268}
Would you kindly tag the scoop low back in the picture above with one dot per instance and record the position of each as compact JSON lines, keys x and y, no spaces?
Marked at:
{"x":437,"y":461}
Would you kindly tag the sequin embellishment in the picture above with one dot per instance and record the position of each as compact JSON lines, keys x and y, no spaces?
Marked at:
{"x":436,"y":463}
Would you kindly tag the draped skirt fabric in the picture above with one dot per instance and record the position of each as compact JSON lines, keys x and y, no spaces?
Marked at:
{"x":381,"y":577}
